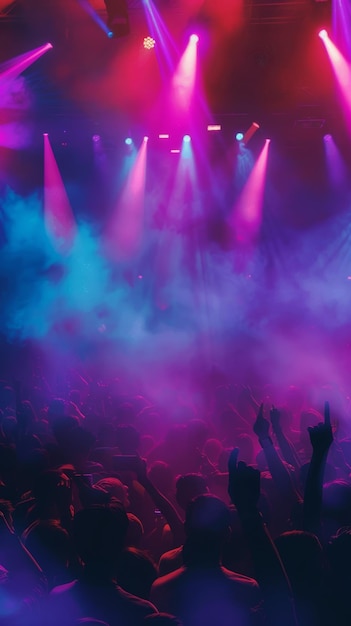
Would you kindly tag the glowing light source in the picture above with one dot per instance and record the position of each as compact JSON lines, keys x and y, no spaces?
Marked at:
{"x":214,"y":127}
{"x":149,"y":43}
{"x":146,"y":138}
{"x":110,"y":34}
{"x":239,"y":136}
{"x":96,"y":138}
{"x":128,"y":141}
{"x":175,"y":151}
{"x":194,"y":38}
{"x":323,"y":34}
{"x":186,"y":138}
{"x":163,"y":136}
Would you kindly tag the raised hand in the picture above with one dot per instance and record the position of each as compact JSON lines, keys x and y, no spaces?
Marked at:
{"x":244,"y":483}
{"x":274,"y":414}
{"x":321,"y":436}
{"x":261,"y":425}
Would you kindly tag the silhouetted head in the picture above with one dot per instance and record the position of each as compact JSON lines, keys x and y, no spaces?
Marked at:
{"x":99,"y":534}
{"x":207,"y":527}
{"x":188,"y":487}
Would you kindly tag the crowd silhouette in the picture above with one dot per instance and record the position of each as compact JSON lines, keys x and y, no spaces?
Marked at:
{"x":117,"y":512}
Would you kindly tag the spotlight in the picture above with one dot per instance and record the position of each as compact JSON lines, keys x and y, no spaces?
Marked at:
{"x":117,"y":18}
{"x":323,"y":34}
{"x":214,"y":127}
{"x":128,"y":141}
{"x":163,"y":136}
{"x":194,"y":38}
{"x":186,"y":138}
{"x":110,"y":34}
{"x":146,"y":138}
{"x":327,"y":137}
{"x":96,"y":138}
{"x":149,"y":43}
{"x":239,"y":136}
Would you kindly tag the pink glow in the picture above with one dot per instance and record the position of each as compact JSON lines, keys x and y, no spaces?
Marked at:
{"x":126,"y":226}
{"x":323,"y":34}
{"x":248,"y":210}
{"x":342,"y":72}
{"x":194,"y":38}
{"x":58,"y":216}
{"x":13,"y":68}
{"x":185,"y":77}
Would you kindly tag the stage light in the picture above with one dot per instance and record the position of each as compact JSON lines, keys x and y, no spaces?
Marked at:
{"x":327,"y":137}
{"x":175,"y":151}
{"x":163,"y":136}
{"x":149,"y":43}
{"x":194,"y":38}
{"x":146,"y":138}
{"x":110,"y":34}
{"x":117,"y":18}
{"x":96,"y":138}
{"x":186,"y":138}
{"x":128,"y":141}
{"x":323,"y":34}
{"x":214,"y":127}
{"x":239,"y":136}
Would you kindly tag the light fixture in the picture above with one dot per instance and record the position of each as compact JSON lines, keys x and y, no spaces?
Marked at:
{"x":117,"y":18}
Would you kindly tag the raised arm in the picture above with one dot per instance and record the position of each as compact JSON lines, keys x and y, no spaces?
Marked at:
{"x":244,"y":492}
{"x":321,"y":437}
{"x":163,"y":504}
{"x":279,"y":473}
{"x":286,"y":447}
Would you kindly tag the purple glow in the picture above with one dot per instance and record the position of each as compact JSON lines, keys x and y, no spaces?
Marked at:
{"x":247,"y":216}
{"x":124,"y":233}
{"x":58,"y":216}
{"x":13,"y":68}
{"x":336,"y":168}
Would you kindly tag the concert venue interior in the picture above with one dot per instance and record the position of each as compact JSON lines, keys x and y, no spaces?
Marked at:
{"x":175,"y":191}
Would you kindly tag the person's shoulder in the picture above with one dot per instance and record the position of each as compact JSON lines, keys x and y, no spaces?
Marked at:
{"x":170,"y":560}
{"x":144,"y":605}
{"x":60,"y":589}
{"x":239,"y":578}
{"x":168,"y":579}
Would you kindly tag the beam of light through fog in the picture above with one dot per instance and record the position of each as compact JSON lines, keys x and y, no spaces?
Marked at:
{"x":125,"y":229}
{"x":14,"y":67}
{"x":58,"y":215}
{"x":247,"y":215}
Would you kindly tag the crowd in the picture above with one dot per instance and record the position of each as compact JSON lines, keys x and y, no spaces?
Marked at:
{"x":117,"y":512}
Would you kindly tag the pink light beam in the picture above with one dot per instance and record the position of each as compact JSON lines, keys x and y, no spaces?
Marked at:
{"x":126,"y":226}
{"x":14,"y":67}
{"x":184,"y":79}
{"x":342,"y":72}
{"x":58,"y":216}
{"x":247,"y":216}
